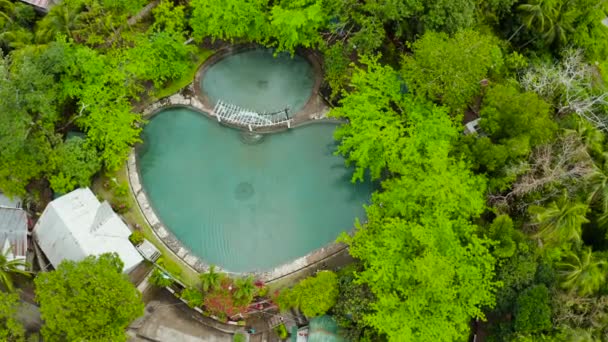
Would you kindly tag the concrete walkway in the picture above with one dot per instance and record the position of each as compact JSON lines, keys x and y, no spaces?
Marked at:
{"x":165,"y":321}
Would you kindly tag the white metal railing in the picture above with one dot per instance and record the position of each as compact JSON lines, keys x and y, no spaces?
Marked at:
{"x":248,"y":118}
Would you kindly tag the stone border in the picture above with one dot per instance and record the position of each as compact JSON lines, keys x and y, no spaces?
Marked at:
{"x":190,"y":97}
{"x":314,"y":108}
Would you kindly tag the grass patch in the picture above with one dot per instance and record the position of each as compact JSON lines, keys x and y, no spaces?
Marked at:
{"x":176,"y":85}
{"x":134,"y":217}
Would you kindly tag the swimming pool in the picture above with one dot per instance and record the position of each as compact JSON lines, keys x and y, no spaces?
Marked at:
{"x":246,"y":204}
{"x":257,"y":80}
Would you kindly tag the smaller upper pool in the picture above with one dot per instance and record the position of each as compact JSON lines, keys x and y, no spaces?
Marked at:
{"x":259,"y":81}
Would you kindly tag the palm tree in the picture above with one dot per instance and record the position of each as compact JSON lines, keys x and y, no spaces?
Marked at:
{"x":245,"y":289}
{"x":552,"y":19}
{"x":63,"y":18}
{"x":535,"y":13}
{"x":582,"y":274}
{"x":9,"y":268}
{"x":7,"y":9}
{"x":560,"y":221}
{"x":597,"y":185}
{"x":211,"y":280}
{"x":561,"y":22}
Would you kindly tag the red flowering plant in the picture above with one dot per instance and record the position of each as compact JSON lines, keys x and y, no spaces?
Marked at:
{"x":220,"y":302}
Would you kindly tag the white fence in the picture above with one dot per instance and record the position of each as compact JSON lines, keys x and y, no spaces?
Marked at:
{"x":226,"y":112}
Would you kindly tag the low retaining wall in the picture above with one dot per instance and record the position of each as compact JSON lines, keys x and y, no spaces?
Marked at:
{"x":192,"y":97}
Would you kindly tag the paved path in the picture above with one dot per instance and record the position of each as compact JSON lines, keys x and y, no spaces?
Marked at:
{"x":166,"y":322}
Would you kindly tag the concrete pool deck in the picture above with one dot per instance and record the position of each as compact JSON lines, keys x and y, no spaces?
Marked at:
{"x":315,"y":110}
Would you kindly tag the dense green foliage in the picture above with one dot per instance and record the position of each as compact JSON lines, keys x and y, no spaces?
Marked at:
{"x":11,"y":330}
{"x":507,"y":225}
{"x":449,"y":69}
{"x":314,"y":296}
{"x":424,"y":205}
{"x":9,"y":268}
{"x":532,"y":310}
{"x":158,"y":278}
{"x":91,"y":299}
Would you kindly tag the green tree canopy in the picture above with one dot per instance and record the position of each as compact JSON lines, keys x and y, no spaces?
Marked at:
{"x":11,"y":330}
{"x":230,"y":20}
{"x":314,"y":296}
{"x":533,"y":312}
{"x":449,"y":69}
{"x":30,"y":109}
{"x":87,"y":300}
{"x":297,"y":23}
{"x":75,"y":165}
{"x":507,"y":113}
{"x":560,"y":221}
{"x":422,"y":259}
{"x":584,"y":273}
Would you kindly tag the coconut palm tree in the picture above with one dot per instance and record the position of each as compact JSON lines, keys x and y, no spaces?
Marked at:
{"x":63,"y":18}
{"x":551,"y":19}
{"x":245,"y":290}
{"x":560,"y":221}
{"x":561,"y":22}
{"x":6,"y":10}
{"x":583,"y":274}
{"x":9,"y":268}
{"x":535,"y":13}
{"x":211,"y":280}
{"x":597,"y":185}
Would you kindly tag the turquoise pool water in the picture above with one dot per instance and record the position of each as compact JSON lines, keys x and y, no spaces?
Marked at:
{"x":256,"y":80}
{"x":243,"y":206}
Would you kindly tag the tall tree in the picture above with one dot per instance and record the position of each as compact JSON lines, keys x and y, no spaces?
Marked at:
{"x":62,"y":19}
{"x":449,"y":69}
{"x":422,"y":260}
{"x":560,"y":221}
{"x":297,"y":23}
{"x":30,"y":108}
{"x":370,"y":109}
{"x":75,"y":163}
{"x":583,"y":274}
{"x":88,"y":300}
{"x":230,"y":20}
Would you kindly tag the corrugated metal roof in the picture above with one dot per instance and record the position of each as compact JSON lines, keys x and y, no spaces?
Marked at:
{"x":5,"y":201}
{"x":76,"y":225}
{"x":13,"y":227}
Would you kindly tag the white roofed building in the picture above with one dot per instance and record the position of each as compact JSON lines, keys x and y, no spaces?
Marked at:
{"x":77,"y":225}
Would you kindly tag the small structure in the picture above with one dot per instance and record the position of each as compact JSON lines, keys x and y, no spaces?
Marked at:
{"x":472,"y":127}
{"x":13,"y":229}
{"x":77,"y":225}
{"x":41,"y":5}
{"x":148,"y":251}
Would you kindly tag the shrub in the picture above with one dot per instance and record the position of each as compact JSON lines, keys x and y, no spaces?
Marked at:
{"x":136,"y":238}
{"x":239,"y":337}
{"x":170,"y":267}
{"x":121,"y":190}
{"x":193,"y":297}
{"x":120,"y":206}
{"x":160,"y":279}
{"x":262,"y":291}
{"x":532,"y":310}
{"x":281,"y":331}
{"x":314,"y":296}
